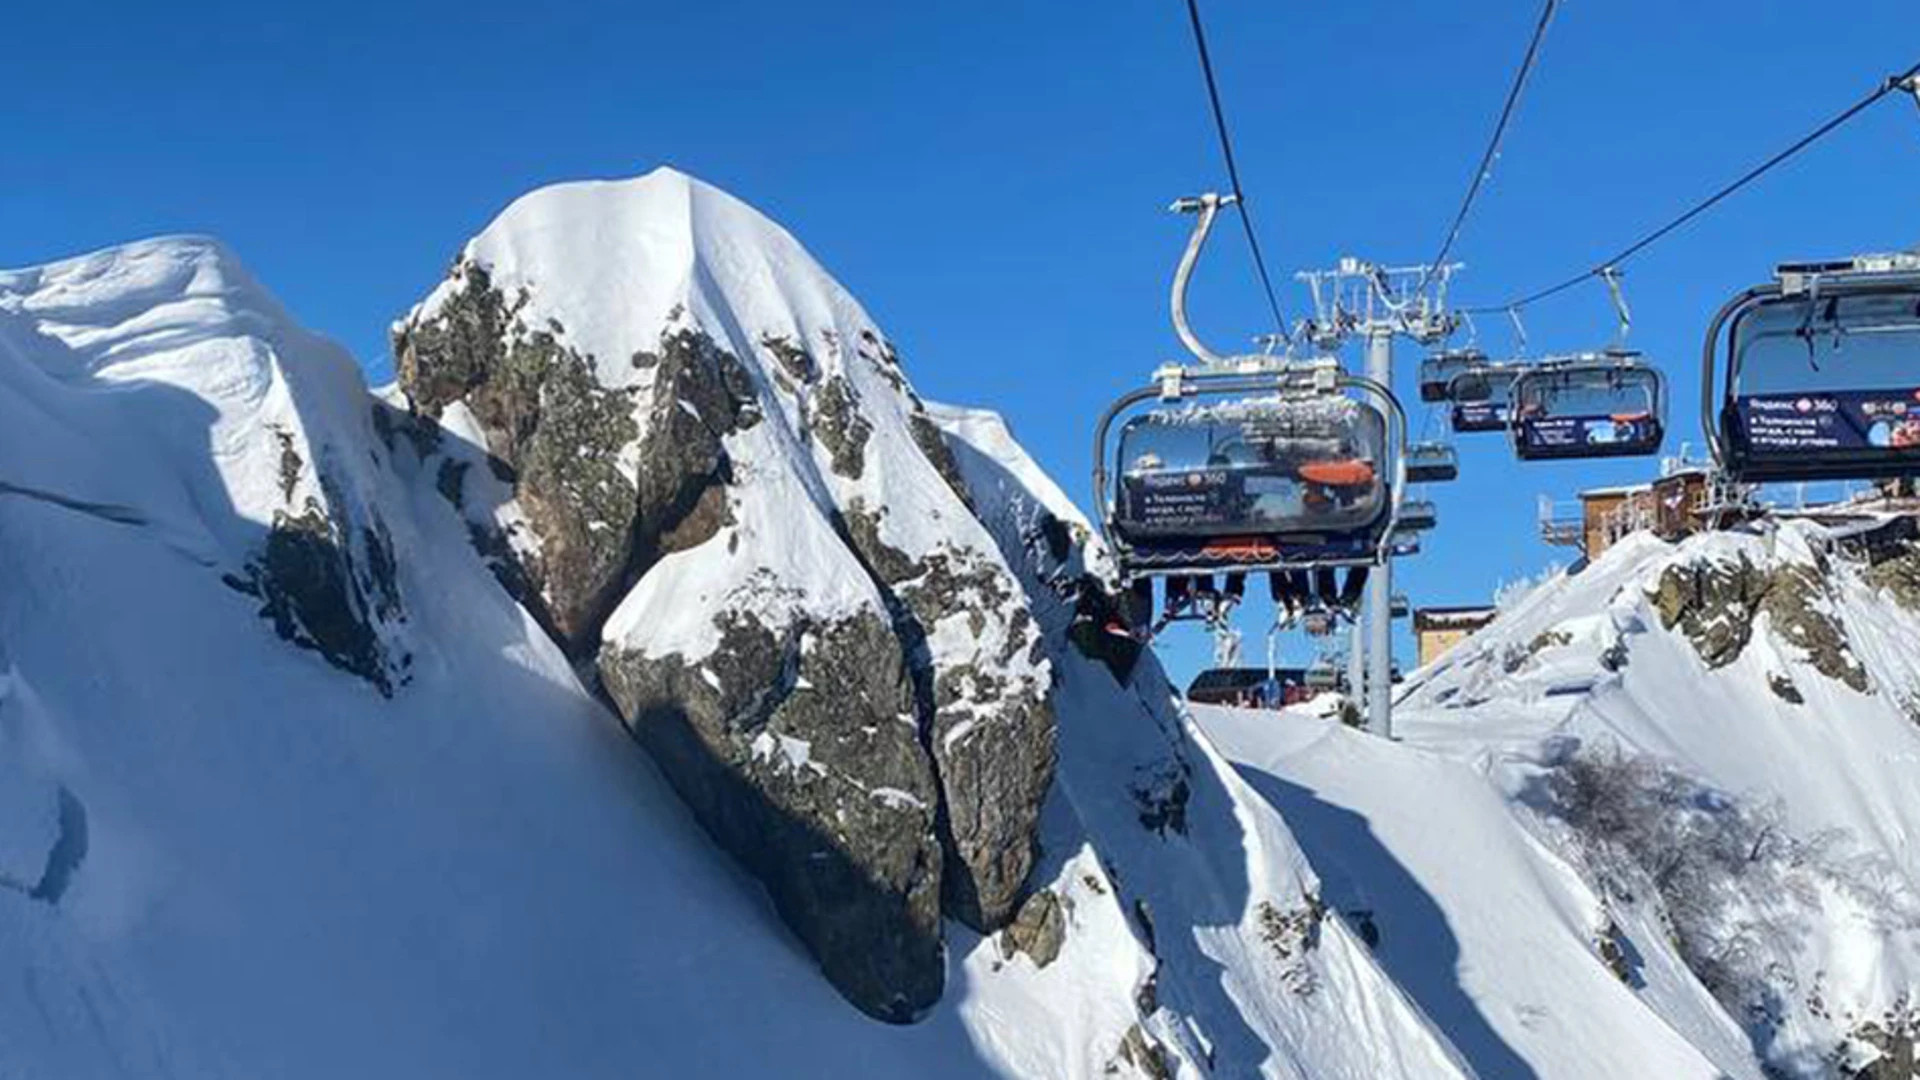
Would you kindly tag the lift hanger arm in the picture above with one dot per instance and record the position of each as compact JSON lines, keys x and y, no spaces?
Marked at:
{"x":1206,"y":207}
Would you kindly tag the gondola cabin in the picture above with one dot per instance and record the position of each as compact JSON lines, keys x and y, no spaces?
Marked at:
{"x":1480,"y":397}
{"x":1437,"y":371}
{"x":1432,"y":463}
{"x":1822,"y":374}
{"x":1599,"y":406}
{"x":1263,"y":481}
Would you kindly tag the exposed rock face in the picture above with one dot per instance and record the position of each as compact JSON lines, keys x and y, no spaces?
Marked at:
{"x":716,"y":478}
{"x":555,"y":430}
{"x":328,"y":583}
{"x":1898,"y":576}
{"x":1714,"y":603}
{"x":836,"y":818}
{"x":1039,"y":930}
{"x":1895,"y":1040}
{"x":703,"y":394}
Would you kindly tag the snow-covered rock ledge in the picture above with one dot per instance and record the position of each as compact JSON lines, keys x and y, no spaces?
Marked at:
{"x":704,"y":468}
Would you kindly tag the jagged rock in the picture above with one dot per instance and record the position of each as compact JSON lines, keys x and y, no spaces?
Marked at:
{"x":1797,"y":606}
{"x":552,"y":424}
{"x":702,"y":394}
{"x":1714,"y":603}
{"x":1516,"y":658}
{"x":926,"y":436}
{"x":1144,"y":1054}
{"x":790,"y":751}
{"x":1783,"y":687}
{"x":992,"y":739}
{"x":1894,"y":1040}
{"x":838,"y":425}
{"x":1038,"y":930}
{"x":1617,"y":953}
{"x":1898,"y":576}
{"x":1292,"y":935}
{"x":330,"y":589}
{"x":718,"y":437}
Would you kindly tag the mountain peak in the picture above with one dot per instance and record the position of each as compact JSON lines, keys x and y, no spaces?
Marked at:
{"x":615,"y":262}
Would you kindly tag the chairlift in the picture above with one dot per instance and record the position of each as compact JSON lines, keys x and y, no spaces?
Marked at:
{"x":1437,"y":371}
{"x":1399,"y":607}
{"x":1432,"y":463}
{"x":1593,"y":405}
{"x":1480,"y":398}
{"x":1250,"y":464}
{"x":1403,"y":543}
{"x":1322,"y":676}
{"x":1821,"y":376}
{"x":1418,"y":515}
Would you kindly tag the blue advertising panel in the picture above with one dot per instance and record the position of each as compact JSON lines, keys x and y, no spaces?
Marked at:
{"x":1589,"y":434}
{"x":1856,"y":420}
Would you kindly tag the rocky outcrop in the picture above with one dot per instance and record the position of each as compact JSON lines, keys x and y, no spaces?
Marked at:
{"x":552,"y":429}
{"x":1893,"y":1042}
{"x":1715,"y":603}
{"x":1898,"y":577}
{"x":790,"y":750}
{"x":702,"y":394}
{"x":1039,"y":930}
{"x":735,"y":504}
{"x":332,"y":588}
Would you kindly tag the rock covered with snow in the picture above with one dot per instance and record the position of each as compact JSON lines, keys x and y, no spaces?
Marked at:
{"x":223,"y":850}
{"x":200,"y":354}
{"x":713,"y":477}
{"x":1718,"y":735}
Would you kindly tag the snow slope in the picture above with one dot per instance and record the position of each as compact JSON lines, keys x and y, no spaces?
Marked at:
{"x":1502,"y":907}
{"x":223,"y":854}
{"x":284,"y":873}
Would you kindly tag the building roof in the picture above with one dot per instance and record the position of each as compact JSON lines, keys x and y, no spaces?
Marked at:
{"x":1616,"y":490}
{"x":1453,"y":618}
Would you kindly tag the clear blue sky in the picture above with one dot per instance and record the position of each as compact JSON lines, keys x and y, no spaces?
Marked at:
{"x":989,"y":178}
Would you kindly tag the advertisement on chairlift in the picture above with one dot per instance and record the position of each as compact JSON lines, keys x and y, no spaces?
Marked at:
{"x":1844,"y":420}
{"x":1587,"y":432}
{"x":1184,"y":499}
{"x":1480,"y":416}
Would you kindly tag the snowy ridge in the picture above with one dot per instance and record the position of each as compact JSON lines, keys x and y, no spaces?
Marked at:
{"x":1637,"y":860}
{"x":220,"y":855}
{"x":615,"y":265}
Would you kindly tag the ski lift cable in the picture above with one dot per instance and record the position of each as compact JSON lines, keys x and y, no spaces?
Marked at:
{"x":1904,"y":81}
{"x":1233,"y":170}
{"x":1485,"y":167}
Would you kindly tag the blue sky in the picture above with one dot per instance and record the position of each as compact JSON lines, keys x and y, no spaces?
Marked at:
{"x":990,"y":178}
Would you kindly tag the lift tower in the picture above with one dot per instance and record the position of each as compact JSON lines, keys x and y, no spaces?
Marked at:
{"x":1378,"y":304}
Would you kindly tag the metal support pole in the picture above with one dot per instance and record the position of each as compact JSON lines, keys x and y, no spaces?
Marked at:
{"x":1357,"y":662}
{"x":1380,"y":582}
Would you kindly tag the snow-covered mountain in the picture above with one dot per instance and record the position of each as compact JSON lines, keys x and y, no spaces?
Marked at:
{"x":652,"y":682}
{"x":315,"y":703}
{"x":1659,"y":819}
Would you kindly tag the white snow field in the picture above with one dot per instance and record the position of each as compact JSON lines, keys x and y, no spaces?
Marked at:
{"x":222,"y":856}
{"x":1494,"y":910}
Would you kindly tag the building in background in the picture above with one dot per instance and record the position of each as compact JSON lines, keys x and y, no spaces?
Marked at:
{"x":1436,"y":630}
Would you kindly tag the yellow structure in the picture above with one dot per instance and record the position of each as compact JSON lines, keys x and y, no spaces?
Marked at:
{"x":1437,"y":630}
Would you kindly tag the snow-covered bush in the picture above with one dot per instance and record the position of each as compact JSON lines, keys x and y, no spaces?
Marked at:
{"x":1508,"y":594}
{"x":1735,"y":889}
